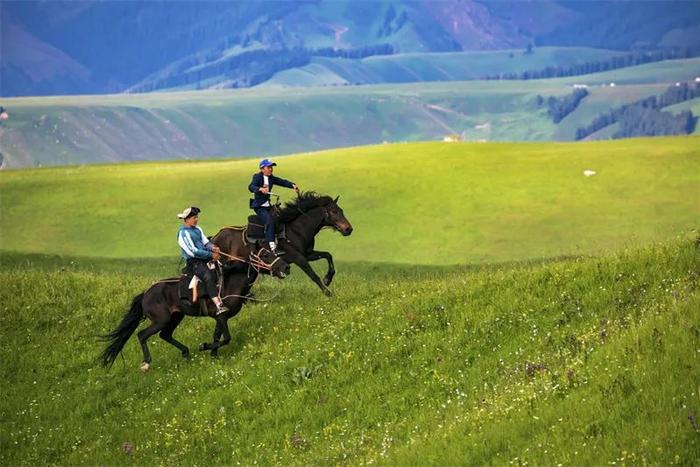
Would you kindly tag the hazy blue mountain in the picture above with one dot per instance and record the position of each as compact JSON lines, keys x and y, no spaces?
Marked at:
{"x":57,"y":47}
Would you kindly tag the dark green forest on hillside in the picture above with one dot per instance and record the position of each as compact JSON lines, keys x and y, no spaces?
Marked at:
{"x":645,"y":118}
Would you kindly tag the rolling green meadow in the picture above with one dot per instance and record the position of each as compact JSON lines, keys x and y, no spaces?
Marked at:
{"x":446,"y":66}
{"x":493,"y":306}
{"x":69,"y":130}
{"x":424,"y":203}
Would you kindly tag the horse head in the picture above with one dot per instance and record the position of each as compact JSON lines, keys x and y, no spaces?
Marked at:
{"x":266,"y":259}
{"x":336,"y":218}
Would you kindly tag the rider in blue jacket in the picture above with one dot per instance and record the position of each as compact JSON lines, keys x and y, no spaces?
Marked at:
{"x":261,"y":186}
{"x":197,"y":250}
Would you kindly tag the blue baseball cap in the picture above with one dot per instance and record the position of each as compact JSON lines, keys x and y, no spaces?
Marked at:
{"x":266,"y":163}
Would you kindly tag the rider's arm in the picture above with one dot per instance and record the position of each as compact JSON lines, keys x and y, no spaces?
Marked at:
{"x":254,"y":187}
{"x":188,"y":246}
{"x":281,"y":181}
{"x":205,"y":240}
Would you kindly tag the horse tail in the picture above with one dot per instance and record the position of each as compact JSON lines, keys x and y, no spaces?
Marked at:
{"x":121,"y":334}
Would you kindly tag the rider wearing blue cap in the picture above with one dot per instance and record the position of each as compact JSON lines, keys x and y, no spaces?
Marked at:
{"x":261,"y":186}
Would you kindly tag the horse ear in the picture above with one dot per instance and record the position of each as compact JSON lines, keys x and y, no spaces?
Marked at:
{"x":336,"y":199}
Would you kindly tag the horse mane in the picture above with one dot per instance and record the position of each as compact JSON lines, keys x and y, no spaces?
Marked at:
{"x":305,"y":202}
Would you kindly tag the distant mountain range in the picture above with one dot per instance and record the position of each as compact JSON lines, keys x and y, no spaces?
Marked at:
{"x":56,"y":47}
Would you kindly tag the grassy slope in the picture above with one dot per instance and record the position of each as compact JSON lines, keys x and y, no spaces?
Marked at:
{"x":405,"y":68}
{"x":601,"y":100}
{"x":607,"y":133}
{"x":82,"y":129}
{"x":585,"y":361}
{"x":432,"y":203}
{"x":692,"y":105}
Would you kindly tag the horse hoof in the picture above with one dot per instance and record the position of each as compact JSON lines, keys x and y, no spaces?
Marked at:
{"x":186,"y":355}
{"x":203,"y":346}
{"x":145,"y":367}
{"x":327,"y":280}
{"x":328,"y":293}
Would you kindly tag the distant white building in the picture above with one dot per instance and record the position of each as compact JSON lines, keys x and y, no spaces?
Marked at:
{"x":580,"y":86}
{"x":612,"y":85}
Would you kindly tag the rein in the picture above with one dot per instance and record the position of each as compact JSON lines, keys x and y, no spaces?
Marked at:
{"x":254,"y":260}
{"x":252,"y":298}
{"x":256,"y":263}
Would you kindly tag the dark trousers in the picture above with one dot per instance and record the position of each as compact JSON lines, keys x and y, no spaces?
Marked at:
{"x":269,"y":222}
{"x":199,"y":268}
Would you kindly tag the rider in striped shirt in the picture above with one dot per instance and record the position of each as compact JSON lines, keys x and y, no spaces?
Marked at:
{"x":197,"y":250}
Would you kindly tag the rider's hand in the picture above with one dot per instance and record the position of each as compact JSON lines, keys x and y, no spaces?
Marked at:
{"x":295,"y":187}
{"x":215,"y":255}
{"x":215,"y":248}
{"x":264,"y":190}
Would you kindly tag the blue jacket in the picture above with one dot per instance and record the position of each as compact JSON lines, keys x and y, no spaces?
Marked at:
{"x":194,"y":243}
{"x":258,"y":181}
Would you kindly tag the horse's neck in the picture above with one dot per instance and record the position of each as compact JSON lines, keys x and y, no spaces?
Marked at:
{"x":237,"y":282}
{"x":308,"y":224}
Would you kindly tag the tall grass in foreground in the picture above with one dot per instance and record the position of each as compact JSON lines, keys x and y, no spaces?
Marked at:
{"x":581,"y":361}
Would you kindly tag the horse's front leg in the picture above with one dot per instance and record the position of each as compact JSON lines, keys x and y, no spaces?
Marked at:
{"x":223,"y":334}
{"x":215,"y":339}
{"x":301,"y":261}
{"x":315,"y":255}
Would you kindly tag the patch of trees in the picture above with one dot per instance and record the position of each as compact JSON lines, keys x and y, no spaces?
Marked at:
{"x":243,"y":70}
{"x":252,"y":67}
{"x":636,"y":58}
{"x":644,"y":117}
{"x":560,"y":107}
{"x":357,"y":52}
{"x":392,"y":23}
{"x":639,"y":121}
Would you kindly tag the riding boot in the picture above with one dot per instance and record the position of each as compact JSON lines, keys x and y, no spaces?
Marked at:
{"x":275,"y":250}
{"x":221,"y":308}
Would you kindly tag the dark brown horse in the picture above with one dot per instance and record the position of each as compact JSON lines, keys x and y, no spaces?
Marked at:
{"x":161,"y":304}
{"x":302,"y":218}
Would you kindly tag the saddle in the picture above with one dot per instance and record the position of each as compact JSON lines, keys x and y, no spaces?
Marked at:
{"x":255,"y":230}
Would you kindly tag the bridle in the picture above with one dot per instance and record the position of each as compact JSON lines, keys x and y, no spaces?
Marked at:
{"x":257,"y":263}
{"x":254,"y":260}
{"x":326,"y":221}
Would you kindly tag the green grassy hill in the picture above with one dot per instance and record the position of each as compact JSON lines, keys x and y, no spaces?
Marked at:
{"x":491,"y":352}
{"x":453,"y":66}
{"x":584,"y":361}
{"x":251,"y":122}
{"x":429,"y":203}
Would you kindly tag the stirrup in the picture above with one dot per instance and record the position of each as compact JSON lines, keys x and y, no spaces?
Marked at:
{"x":221,"y":309}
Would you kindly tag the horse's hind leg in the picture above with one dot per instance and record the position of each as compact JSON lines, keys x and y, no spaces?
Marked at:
{"x":167,"y":334}
{"x":143,"y":335}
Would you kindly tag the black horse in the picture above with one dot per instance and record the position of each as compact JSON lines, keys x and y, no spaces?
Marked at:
{"x":301,"y":219}
{"x":161,"y":303}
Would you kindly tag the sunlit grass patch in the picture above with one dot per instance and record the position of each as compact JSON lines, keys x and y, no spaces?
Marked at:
{"x":586,"y":360}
